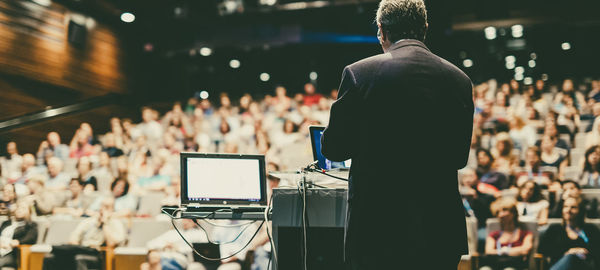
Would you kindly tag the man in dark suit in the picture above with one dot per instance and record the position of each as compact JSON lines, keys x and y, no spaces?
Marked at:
{"x":405,"y":118}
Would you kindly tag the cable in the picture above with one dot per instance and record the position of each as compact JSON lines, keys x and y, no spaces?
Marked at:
{"x":304,"y":220}
{"x":229,"y":226}
{"x":173,"y":218}
{"x":332,"y":176}
{"x":222,"y":243}
{"x":273,"y":250}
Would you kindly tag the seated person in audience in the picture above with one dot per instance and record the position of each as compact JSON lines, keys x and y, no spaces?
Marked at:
{"x":509,"y":246}
{"x":504,"y":160}
{"x":78,"y":202}
{"x":110,"y":146}
{"x":173,"y":192}
{"x":102,"y":229}
{"x":173,"y":250}
{"x":590,"y":177}
{"x":27,"y":170}
{"x":124,"y":203}
{"x":42,"y":199}
{"x":153,"y":261}
{"x":9,"y":200}
{"x":80,"y":145}
{"x":532,"y":169}
{"x":52,"y":146}
{"x":58,"y":180}
{"x":573,"y":244}
{"x":84,"y":170}
{"x":552,"y":157}
{"x":486,"y":174}
{"x":531,"y":203}
{"x":18,"y":230}
{"x":550,"y":129}
{"x":104,"y":173}
{"x":83,"y":250}
{"x":571,"y":189}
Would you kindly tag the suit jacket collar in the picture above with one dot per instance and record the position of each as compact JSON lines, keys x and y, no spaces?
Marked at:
{"x":407,"y":42}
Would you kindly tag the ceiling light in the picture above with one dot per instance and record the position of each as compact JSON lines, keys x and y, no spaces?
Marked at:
{"x":127,"y":17}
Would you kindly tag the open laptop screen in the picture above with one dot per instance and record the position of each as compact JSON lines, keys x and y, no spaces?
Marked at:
{"x":315,"y":137}
{"x":223,"y":179}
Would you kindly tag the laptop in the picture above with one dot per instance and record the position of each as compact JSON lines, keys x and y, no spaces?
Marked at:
{"x":223,"y":182}
{"x":315,"y":138}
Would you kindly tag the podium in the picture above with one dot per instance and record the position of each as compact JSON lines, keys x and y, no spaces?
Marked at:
{"x":326,"y":212}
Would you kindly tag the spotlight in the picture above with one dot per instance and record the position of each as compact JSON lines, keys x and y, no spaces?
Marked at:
{"x":544,"y":77}
{"x":468,"y":63}
{"x":127,"y":17}
{"x":203,"y":95}
{"x":205,"y":51}
{"x":490,"y":32}
{"x":566,"y":46}
{"x":517,"y":30}
{"x":313,"y":75}
{"x":265,"y":77}
{"x":531,"y":63}
{"x":267,"y":2}
{"x":528,"y":81}
{"x":510,"y":65}
{"x":510,"y":59}
{"x":519,"y":70}
{"x":533,"y":56}
{"x":519,"y":76}
{"x":234,"y":63}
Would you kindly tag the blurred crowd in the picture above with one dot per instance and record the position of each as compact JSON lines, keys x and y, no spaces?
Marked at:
{"x":534,"y":151}
{"x":105,"y":177}
{"x":535,"y":144}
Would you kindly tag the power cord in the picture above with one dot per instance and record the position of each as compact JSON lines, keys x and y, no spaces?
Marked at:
{"x":273,"y":250}
{"x":174,"y":217}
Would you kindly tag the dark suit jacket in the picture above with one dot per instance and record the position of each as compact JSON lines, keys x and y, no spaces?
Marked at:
{"x":405,"y":118}
{"x":26,"y":234}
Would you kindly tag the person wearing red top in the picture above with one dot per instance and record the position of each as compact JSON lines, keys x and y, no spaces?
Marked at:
{"x":310,"y":96}
{"x":509,"y":246}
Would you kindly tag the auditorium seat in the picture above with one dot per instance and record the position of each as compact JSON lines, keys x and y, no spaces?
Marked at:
{"x":150,"y":204}
{"x":493,"y":224}
{"x":144,"y":230}
{"x":572,"y":172}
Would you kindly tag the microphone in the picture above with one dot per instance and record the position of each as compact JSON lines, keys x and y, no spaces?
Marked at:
{"x":312,"y":164}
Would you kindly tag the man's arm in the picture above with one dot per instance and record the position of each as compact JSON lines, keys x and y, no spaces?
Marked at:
{"x":336,"y":141}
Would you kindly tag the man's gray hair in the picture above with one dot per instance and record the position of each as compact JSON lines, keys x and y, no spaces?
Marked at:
{"x":401,"y":19}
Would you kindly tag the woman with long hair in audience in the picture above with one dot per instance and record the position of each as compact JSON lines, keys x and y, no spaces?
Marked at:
{"x":531,"y":203}
{"x":504,"y":159}
{"x":486,"y":173}
{"x":590,"y":177}
{"x":509,"y":246}
{"x":573,"y":244}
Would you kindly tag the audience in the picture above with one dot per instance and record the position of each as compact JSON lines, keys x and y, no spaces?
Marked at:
{"x":590,"y":178}
{"x":506,"y":153}
{"x":509,"y":246}
{"x":531,"y":203}
{"x":573,"y":244}
{"x":18,"y":230}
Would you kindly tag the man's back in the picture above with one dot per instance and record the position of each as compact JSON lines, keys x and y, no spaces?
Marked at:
{"x":405,"y":119}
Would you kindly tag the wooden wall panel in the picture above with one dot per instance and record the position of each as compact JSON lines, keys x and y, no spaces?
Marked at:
{"x":34,"y":44}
